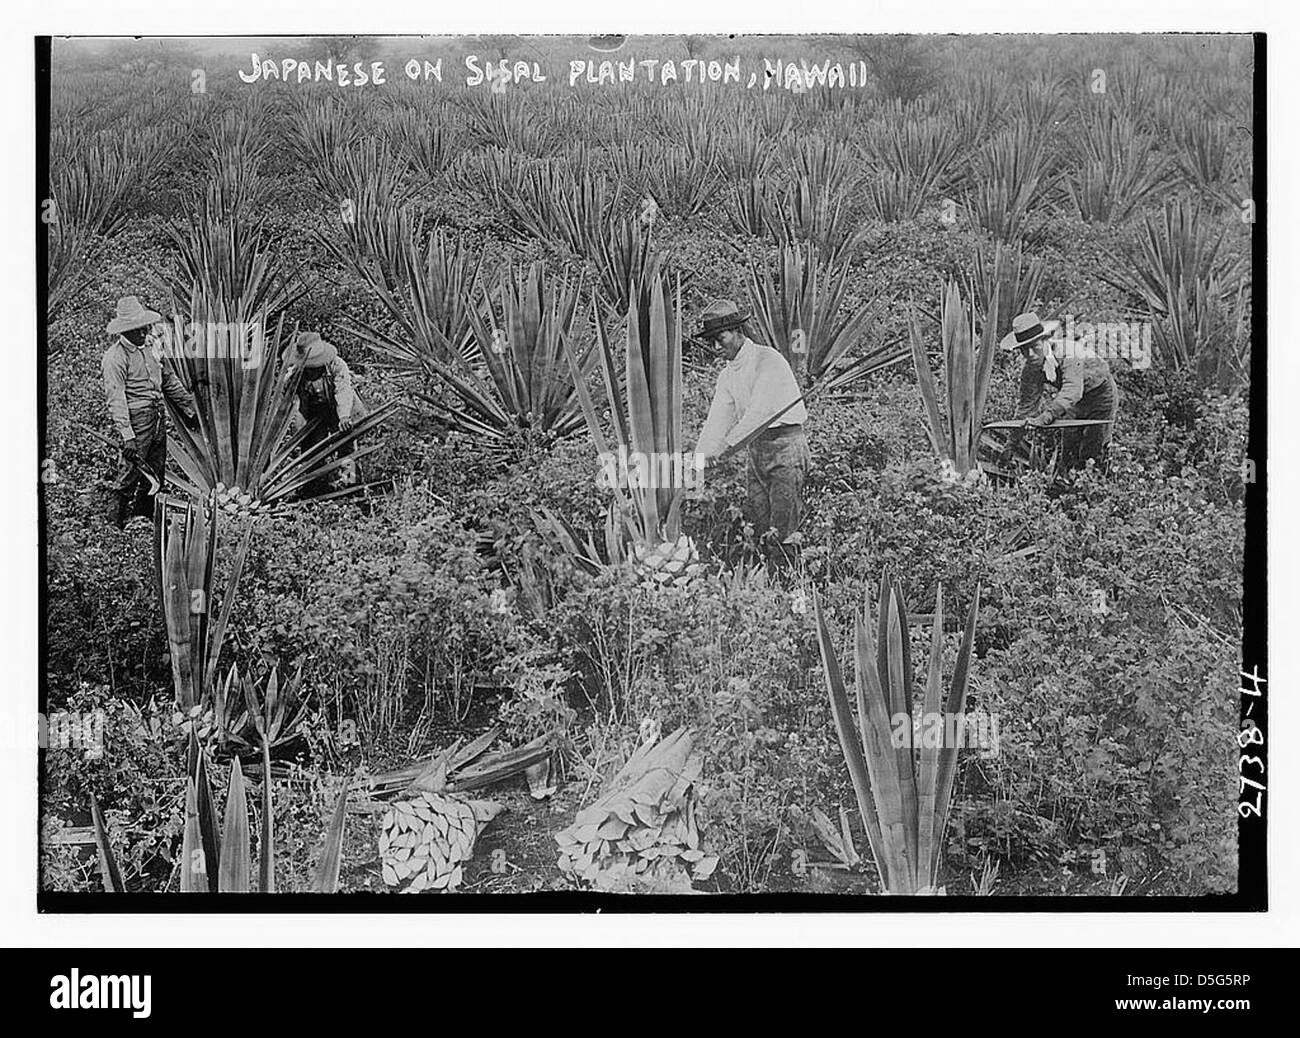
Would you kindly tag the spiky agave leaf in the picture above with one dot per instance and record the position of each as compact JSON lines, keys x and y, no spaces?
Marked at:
{"x":326,"y":879}
{"x":110,"y":875}
{"x":888,"y":789}
{"x":905,"y":813}
{"x":800,"y":307}
{"x":91,"y":178}
{"x":431,"y":292}
{"x":246,"y":401}
{"x":935,"y":427}
{"x":804,"y":213}
{"x":226,"y":271}
{"x":1006,"y":287}
{"x":236,"y":866}
{"x":194,"y":862}
{"x":423,"y":135}
{"x":1010,"y":175}
{"x":321,"y":130}
{"x":185,"y":545}
{"x":850,"y":742}
{"x":1185,"y":279}
{"x":646,"y":405}
{"x":68,"y":259}
{"x":928,"y":764}
{"x":968,"y":372}
{"x":915,"y":154}
{"x":209,"y":828}
{"x":947,"y":764}
{"x":621,"y":261}
{"x":748,"y":204}
{"x":1118,"y":167}
{"x":522,"y":354}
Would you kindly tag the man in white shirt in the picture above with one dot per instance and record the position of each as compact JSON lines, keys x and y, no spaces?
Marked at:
{"x":757,"y":393}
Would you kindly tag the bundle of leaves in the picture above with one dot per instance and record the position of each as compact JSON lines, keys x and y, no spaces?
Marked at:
{"x":644,"y":825}
{"x":426,"y":840}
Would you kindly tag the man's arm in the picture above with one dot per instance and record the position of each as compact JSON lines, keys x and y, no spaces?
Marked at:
{"x":115,"y":395}
{"x":1031,"y":391}
{"x":174,"y":389}
{"x":775,"y":390}
{"x":1071,"y":391}
{"x":341,"y":375}
{"x":722,"y":416}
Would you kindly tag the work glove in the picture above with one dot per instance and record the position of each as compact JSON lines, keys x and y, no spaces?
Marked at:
{"x":131,"y":451}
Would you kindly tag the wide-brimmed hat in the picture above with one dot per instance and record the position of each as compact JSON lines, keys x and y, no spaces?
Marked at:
{"x":131,"y":314}
{"x":311,"y":351}
{"x":722,"y":315}
{"x":1027,"y":329}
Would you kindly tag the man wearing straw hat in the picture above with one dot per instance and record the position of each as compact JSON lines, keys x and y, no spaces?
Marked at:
{"x":326,"y":398}
{"x":1060,"y":380}
{"x":757,"y":402}
{"x":135,"y":380}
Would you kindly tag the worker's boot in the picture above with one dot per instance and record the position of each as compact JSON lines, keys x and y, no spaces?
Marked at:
{"x":142,"y":506}
{"x":119,"y":508}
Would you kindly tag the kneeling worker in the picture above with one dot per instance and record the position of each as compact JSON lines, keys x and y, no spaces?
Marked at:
{"x":327,"y":399}
{"x":757,"y":391}
{"x":1081,"y":386}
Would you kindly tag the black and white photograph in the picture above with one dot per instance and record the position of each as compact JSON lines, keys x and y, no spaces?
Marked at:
{"x":651,"y":472}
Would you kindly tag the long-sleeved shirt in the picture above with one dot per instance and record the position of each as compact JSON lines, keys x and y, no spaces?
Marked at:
{"x":755,"y":385}
{"x":1074,"y":377}
{"x":135,"y":378}
{"x":334,"y":385}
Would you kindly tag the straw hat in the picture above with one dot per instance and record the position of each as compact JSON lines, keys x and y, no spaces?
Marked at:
{"x":1027,"y":329}
{"x":131,"y":314}
{"x":722,"y":315}
{"x":312,"y":351}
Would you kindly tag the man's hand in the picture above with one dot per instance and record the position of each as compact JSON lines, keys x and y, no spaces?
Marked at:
{"x":714,"y":462}
{"x":345,"y":422}
{"x":1038,"y":421}
{"x":131,"y":451}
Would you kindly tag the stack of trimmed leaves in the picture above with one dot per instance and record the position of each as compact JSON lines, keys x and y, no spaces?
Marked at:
{"x":644,"y":826}
{"x":426,"y":840}
{"x":429,"y":831}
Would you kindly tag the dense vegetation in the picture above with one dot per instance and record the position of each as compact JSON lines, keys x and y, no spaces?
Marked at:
{"x":415,"y":225}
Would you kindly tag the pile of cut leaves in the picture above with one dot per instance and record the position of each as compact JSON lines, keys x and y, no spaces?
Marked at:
{"x":430,"y":827}
{"x":427,"y":840}
{"x":642,"y":834}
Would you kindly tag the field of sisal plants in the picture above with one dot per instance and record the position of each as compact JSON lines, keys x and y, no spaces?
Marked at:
{"x":514,"y":271}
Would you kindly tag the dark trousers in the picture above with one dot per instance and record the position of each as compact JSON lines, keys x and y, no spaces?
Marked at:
{"x":129,"y":491}
{"x":1081,"y":444}
{"x":778,"y":466}
{"x":327,"y":417}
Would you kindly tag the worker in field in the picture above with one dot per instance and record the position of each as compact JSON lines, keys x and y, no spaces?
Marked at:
{"x":135,"y":381}
{"x":1062,"y":380}
{"x":327,"y":402}
{"x":757,"y":400}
